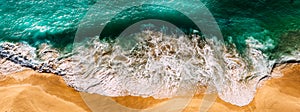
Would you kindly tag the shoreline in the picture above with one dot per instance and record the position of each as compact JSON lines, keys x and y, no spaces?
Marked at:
{"x":167,"y":60}
{"x":271,"y":96}
{"x":276,"y":94}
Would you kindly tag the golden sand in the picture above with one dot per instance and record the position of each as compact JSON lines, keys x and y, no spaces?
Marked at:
{"x":276,"y":95}
{"x":138,"y":102}
{"x":29,"y":91}
{"x":35,"y":92}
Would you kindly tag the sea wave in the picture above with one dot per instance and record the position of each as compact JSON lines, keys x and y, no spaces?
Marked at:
{"x":158,"y":65}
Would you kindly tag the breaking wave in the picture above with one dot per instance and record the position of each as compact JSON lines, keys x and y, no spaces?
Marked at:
{"x":157,"y":65}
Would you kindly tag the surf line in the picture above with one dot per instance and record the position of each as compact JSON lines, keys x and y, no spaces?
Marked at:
{"x":7,"y":52}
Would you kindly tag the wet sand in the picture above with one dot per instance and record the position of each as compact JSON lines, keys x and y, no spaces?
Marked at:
{"x":36,"y":92}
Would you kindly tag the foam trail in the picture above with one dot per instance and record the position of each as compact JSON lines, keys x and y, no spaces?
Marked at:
{"x":24,"y":56}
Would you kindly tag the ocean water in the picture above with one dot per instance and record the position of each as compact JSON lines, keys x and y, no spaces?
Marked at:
{"x":155,"y":60}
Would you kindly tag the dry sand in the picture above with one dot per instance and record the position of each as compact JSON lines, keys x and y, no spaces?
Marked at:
{"x":35,"y":92}
{"x":29,"y":91}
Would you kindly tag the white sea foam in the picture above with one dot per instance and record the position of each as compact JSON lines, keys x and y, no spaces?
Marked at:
{"x":161,"y":66}
{"x":164,"y":66}
{"x":8,"y":67}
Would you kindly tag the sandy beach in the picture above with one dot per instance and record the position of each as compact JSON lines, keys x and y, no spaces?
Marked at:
{"x":29,"y":91}
{"x":39,"y":92}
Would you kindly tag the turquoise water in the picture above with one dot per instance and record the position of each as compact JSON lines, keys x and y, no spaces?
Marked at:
{"x":36,"y":21}
{"x":56,"y":21}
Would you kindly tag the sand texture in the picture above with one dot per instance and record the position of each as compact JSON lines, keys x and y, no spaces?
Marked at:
{"x":35,"y":92}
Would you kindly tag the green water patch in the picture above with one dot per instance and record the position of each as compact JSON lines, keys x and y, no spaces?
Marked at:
{"x":145,"y":12}
{"x":261,"y":19}
{"x":287,"y":44}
